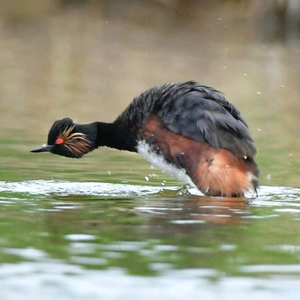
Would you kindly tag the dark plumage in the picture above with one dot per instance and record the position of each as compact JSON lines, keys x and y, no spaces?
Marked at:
{"x":171,"y":117}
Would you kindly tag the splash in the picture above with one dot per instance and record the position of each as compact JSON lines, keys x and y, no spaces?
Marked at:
{"x":44,"y":187}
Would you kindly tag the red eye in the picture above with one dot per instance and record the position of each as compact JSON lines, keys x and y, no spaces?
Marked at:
{"x":59,"y":141}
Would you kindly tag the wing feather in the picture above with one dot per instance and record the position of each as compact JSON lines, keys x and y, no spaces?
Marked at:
{"x":204,"y":114}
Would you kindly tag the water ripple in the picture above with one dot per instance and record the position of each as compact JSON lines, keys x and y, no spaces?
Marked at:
{"x":66,"y":281}
{"x":64,"y":188}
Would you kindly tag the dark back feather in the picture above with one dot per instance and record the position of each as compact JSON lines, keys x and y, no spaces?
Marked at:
{"x":195,"y":111}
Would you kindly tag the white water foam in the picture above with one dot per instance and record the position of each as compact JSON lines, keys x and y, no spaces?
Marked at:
{"x":160,"y":163}
{"x":44,"y":187}
{"x":266,"y":194}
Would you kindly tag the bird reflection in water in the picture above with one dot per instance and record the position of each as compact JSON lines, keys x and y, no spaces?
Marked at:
{"x":191,"y":211}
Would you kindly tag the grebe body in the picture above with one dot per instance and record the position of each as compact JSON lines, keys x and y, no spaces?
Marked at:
{"x":187,"y":130}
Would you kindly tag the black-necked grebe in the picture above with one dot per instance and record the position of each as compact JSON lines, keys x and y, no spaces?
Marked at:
{"x":187,"y":130}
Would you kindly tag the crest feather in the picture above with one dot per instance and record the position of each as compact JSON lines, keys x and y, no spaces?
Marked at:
{"x":75,"y":142}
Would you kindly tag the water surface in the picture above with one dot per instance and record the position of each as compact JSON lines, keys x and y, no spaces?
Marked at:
{"x":84,"y":239}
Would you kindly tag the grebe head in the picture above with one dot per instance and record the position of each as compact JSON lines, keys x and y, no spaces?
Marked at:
{"x":68,"y":139}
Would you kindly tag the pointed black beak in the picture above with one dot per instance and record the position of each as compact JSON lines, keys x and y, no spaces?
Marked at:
{"x":44,"y":148}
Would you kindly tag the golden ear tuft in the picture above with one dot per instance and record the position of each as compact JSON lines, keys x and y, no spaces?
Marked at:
{"x":66,"y":133}
{"x":76,"y":142}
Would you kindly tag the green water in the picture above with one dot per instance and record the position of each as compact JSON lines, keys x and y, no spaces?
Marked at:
{"x":109,"y":226}
{"x":68,"y":222}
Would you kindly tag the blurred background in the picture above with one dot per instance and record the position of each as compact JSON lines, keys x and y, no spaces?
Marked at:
{"x":88,"y":59}
{"x":115,"y":228}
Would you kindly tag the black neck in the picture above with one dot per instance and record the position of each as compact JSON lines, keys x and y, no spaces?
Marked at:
{"x":114,"y":136}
